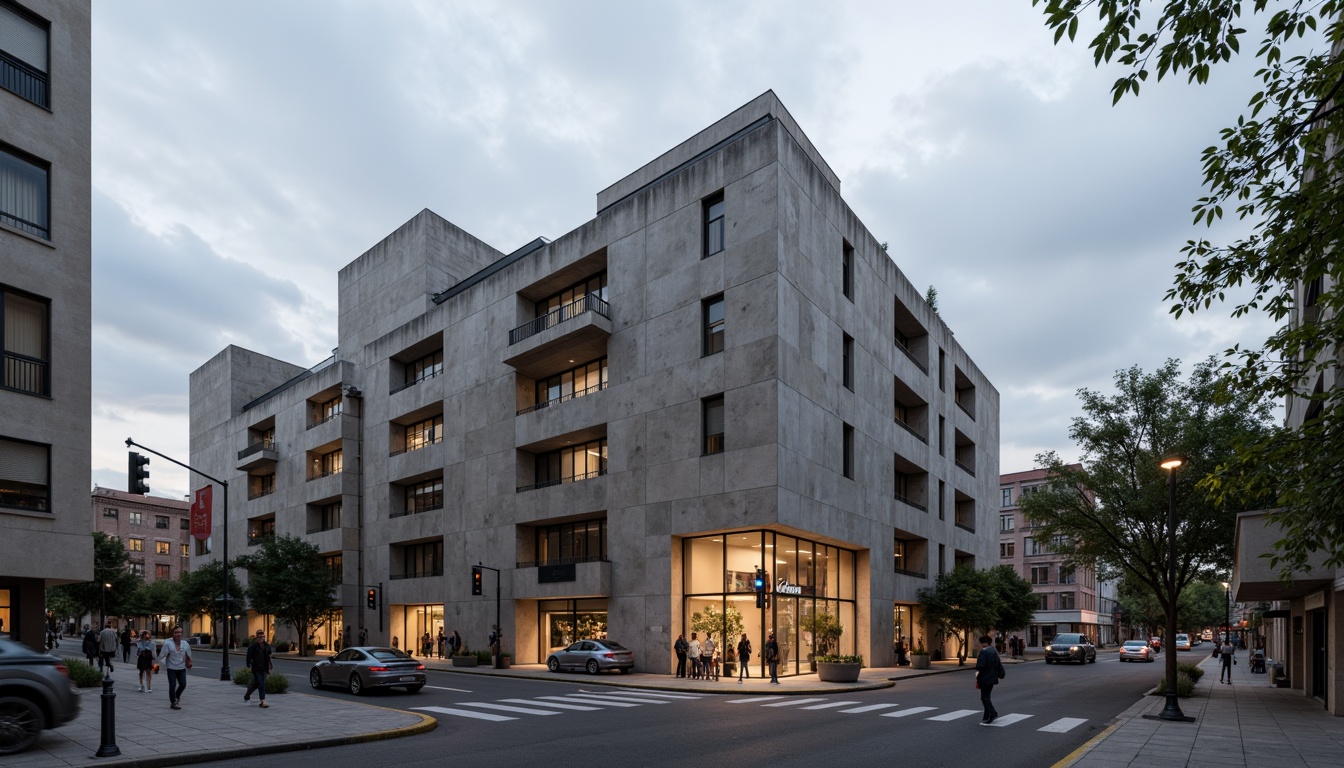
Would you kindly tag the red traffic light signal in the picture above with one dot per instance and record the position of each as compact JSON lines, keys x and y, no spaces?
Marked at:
{"x":371,"y":599}
{"x":476,"y":580}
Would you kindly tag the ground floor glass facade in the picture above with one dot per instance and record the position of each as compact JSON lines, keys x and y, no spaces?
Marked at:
{"x":561,"y":622}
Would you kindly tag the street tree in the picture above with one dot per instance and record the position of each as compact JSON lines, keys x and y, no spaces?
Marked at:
{"x":1277,"y":168}
{"x":110,"y":566}
{"x":1015,"y":602}
{"x":200,"y":593}
{"x":965,"y":602}
{"x":158,"y":598}
{"x":287,"y":578}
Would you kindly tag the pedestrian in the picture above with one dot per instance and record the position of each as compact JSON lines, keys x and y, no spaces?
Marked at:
{"x":455,"y":640}
{"x":682,"y":648}
{"x":90,"y":646}
{"x":772,"y":658}
{"x":442,"y":642}
{"x":144,"y":662}
{"x":259,"y":661}
{"x":394,"y":642}
{"x":988,"y":673}
{"x":1227,"y":659}
{"x":425,"y":645}
{"x":363,"y":636}
{"x":107,"y":645}
{"x":743,"y":657}
{"x":175,"y":656}
{"x":346,"y":637}
{"x":126,"y":635}
{"x":707,"y":657}
{"x":694,"y":651}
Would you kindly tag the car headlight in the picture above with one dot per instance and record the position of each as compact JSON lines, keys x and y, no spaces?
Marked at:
{"x":1074,"y":649}
{"x":1048,"y":649}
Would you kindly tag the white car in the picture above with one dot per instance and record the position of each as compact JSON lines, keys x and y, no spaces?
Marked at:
{"x":1136,"y":650}
{"x":1182,"y":642}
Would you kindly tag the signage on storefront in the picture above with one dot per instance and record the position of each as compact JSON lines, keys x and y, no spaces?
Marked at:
{"x":551,"y":574}
{"x":783,"y":587}
{"x":201,"y":513}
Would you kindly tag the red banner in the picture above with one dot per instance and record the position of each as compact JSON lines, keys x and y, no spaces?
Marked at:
{"x":200,"y":513}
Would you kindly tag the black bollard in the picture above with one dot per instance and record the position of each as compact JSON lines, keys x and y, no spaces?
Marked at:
{"x":108,"y":747}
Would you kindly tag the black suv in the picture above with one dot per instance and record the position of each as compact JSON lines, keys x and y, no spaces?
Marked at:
{"x":1070,"y":647}
{"x":35,"y":693}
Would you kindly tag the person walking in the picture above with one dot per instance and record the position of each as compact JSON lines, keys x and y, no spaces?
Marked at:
{"x":175,"y":657}
{"x":363,"y":636}
{"x":772,"y":658}
{"x":90,"y":646}
{"x":107,"y":645}
{"x":144,"y":662}
{"x":1226,"y":659}
{"x":456,"y":642}
{"x":694,"y":653}
{"x":743,"y":657}
{"x":988,"y":673}
{"x":707,"y":658}
{"x":442,"y":642}
{"x":259,"y":661}
{"x":682,"y":648}
{"x":126,"y":635}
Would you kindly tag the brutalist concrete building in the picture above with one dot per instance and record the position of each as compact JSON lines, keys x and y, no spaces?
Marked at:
{"x":721,"y":372}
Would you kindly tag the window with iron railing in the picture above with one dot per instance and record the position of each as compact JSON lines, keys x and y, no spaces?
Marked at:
{"x":260,"y":485}
{"x":24,"y":54}
{"x":588,"y":295}
{"x":579,"y":542}
{"x":421,"y":497}
{"x":424,"y":433}
{"x":420,"y":560}
{"x":24,"y":196}
{"x":419,"y":370}
{"x":24,"y":325}
{"x":259,"y":530}
{"x":326,"y":464}
{"x":574,"y":383}
{"x":325,"y":411}
{"x":570,"y":464}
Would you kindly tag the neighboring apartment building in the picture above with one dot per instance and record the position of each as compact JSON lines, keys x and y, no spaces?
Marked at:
{"x":1072,"y":600}
{"x":722,"y":371}
{"x":155,"y":531}
{"x":45,"y":299}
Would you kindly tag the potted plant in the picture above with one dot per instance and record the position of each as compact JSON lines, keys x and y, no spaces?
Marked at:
{"x":919,"y":658}
{"x":464,"y":657}
{"x":833,"y":668}
{"x":724,"y":626}
{"x":505,"y":659}
{"x":826,"y":630}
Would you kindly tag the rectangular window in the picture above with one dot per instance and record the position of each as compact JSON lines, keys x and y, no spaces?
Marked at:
{"x":328,"y":517}
{"x":185,"y":524}
{"x":576,"y":382}
{"x":135,"y":544}
{"x":1066,"y":575}
{"x":581,"y":542}
{"x":847,"y":460}
{"x":109,"y":512}
{"x":942,"y":500}
{"x":847,"y":361}
{"x":1007,"y":549}
{"x":427,"y":367}
{"x":24,"y":199}
{"x":1040,"y":574}
{"x":24,"y":54}
{"x":713,"y":325}
{"x":137,"y":570}
{"x":334,"y":567}
{"x":325,"y":465}
{"x":713,"y":424}
{"x":847,"y":269}
{"x":24,"y":324}
{"x":162,"y":572}
{"x":424,"y":497}
{"x":161,"y":521}
{"x":1045,"y":602}
{"x":202,"y":547}
{"x":569,"y":464}
{"x":259,"y":530}
{"x":321,"y":413}
{"x":942,"y":435}
{"x":186,"y":550}
{"x":134,"y":518}
{"x":24,"y":469}
{"x":1005,"y":522}
{"x":1005,"y":497}
{"x":713,"y":213}
{"x":421,"y":560}
{"x":163,"y":548}
{"x":942,"y":369}
{"x":1065,"y":601}
{"x":424,"y":433}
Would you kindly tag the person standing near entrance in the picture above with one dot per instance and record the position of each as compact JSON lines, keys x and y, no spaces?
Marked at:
{"x":682,"y":648}
{"x":175,"y":656}
{"x":772,"y":658}
{"x":707,"y":657}
{"x":1225,"y":657}
{"x":695,"y":657}
{"x":743,"y":657}
{"x":988,"y":673}
{"x":259,"y":661}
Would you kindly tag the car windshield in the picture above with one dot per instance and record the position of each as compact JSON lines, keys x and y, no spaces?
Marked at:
{"x":1066,"y":639}
{"x":611,"y":646}
{"x":1135,"y":644}
{"x":388,"y":654}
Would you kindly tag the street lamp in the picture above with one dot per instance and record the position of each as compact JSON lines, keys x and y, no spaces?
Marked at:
{"x":1227,"y":612}
{"x":1172,"y":711}
{"x":102,"y":624}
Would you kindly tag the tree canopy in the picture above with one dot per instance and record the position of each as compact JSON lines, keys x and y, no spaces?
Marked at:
{"x":199,"y":592}
{"x":1277,"y":167}
{"x":110,"y":560}
{"x":966,"y":601}
{"x":287,"y":578}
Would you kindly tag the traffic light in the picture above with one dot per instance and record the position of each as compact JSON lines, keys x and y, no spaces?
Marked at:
{"x":759,"y":584}
{"x":371,"y":598}
{"x":137,"y":473}
{"x":476,"y":580}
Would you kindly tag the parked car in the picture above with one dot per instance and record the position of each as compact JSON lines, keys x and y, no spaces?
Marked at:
{"x":360,"y":669}
{"x":1136,"y":650}
{"x":35,"y":693}
{"x":1183,"y":642}
{"x":1156,"y":642}
{"x":593,"y":656}
{"x":1208,"y":634}
{"x":1070,"y":646}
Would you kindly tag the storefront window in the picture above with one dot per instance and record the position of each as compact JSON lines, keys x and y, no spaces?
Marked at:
{"x":564,"y":621}
{"x":5,"y":627}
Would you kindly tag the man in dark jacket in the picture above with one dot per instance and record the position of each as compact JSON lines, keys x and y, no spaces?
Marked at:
{"x":681,"y":647}
{"x":259,"y":661}
{"x":988,"y":672}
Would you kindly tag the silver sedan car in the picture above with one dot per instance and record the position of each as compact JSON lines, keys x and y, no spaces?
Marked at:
{"x":1136,"y":650}
{"x":360,"y":669}
{"x":592,"y":656}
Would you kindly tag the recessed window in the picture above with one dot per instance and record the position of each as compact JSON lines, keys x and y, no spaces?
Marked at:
{"x":1040,"y":574}
{"x":424,"y":433}
{"x":426,"y":367}
{"x":847,"y":361}
{"x":847,"y":460}
{"x":1066,"y":601}
{"x":714,"y":210}
{"x":109,"y":511}
{"x":1005,"y":497}
{"x":163,"y":548}
{"x":24,"y":324}
{"x":161,"y":521}
{"x":420,"y":560}
{"x":185,"y":524}
{"x":24,"y":54}
{"x":135,"y":544}
{"x":333,"y":564}
{"x":186,"y":550}
{"x":162,"y":572}
{"x":847,"y":270}
{"x":1006,"y":549}
{"x":24,"y":470}
{"x":581,"y":542}
{"x":713,"y":424}
{"x":326,"y":464}
{"x":24,"y":202}
{"x":137,"y":569}
{"x":585,"y":379}
{"x":569,"y":464}
{"x":324,"y":411}
{"x":324,"y":517}
{"x":713,"y":325}
{"x":423,"y":497}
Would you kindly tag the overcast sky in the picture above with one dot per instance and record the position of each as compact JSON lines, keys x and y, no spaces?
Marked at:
{"x":243,"y":152}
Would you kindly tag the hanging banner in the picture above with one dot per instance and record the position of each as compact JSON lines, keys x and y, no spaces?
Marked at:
{"x":200,"y":513}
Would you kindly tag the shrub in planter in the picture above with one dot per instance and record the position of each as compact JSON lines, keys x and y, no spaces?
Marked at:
{"x":275,"y":682}
{"x":281,"y":647}
{"x":1185,"y":687}
{"x":1191,"y":671}
{"x":484,"y":657}
{"x":83,"y":674}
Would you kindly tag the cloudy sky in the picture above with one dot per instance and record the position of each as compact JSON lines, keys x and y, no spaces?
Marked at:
{"x":243,"y":152}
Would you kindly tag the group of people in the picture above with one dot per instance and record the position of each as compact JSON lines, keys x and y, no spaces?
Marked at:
{"x":705,"y":662}
{"x":174,"y":657}
{"x":1016,"y":647}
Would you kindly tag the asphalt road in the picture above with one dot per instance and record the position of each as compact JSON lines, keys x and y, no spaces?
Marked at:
{"x":1045,"y":713}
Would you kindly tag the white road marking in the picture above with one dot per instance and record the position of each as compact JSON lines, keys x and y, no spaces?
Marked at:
{"x":743,"y":701}
{"x":446,"y":688}
{"x":907,"y":712}
{"x":1063,"y":725}
{"x":956,"y":714}
{"x":586,"y":700}
{"x":507,"y":708}
{"x":829,"y":705}
{"x":553,"y":705}
{"x":466,"y":713}
{"x":676,"y":696}
{"x":1003,"y":720}
{"x":869,"y":708}
{"x":620,"y":697}
{"x":792,"y":702}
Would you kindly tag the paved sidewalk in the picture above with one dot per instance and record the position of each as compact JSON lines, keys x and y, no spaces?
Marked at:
{"x":213,"y":724}
{"x":1249,"y":723}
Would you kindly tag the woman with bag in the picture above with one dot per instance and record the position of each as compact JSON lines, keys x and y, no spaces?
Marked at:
{"x":144,"y":662}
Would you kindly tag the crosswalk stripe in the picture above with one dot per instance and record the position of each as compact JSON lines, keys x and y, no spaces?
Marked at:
{"x":869,"y":708}
{"x":907,"y":712}
{"x":832,"y":704}
{"x":653,"y":694}
{"x":956,"y":714}
{"x":743,"y":701}
{"x":446,"y":688}
{"x":792,"y":702}
{"x":507,"y":708}
{"x":1063,"y":725}
{"x":1003,"y":720}
{"x":553,"y":705}
{"x":587,"y":700}
{"x":622,"y":697}
{"x":466,"y":713}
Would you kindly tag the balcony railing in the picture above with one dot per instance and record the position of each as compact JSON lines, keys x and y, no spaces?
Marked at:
{"x":589,"y":302}
{"x":323,"y":419}
{"x":573,"y":479}
{"x":920,"y":365}
{"x":562,"y":399}
{"x":322,"y":527}
{"x":25,"y":374}
{"x":324,"y":472}
{"x":257,"y":494}
{"x":416,"y":511}
{"x":19,"y":78}
{"x":563,"y":561}
{"x":911,"y":430}
{"x":417,"y":380}
{"x":912,"y":503}
{"x":916,"y":574}
{"x":416,"y":575}
{"x":966,"y":469}
{"x":965,"y":527}
{"x":254,"y":539}
{"x":965,"y":410}
{"x":261,"y":445}
{"x":415,"y":446}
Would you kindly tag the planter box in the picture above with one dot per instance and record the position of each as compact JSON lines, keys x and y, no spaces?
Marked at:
{"x":464,"y":661}
{"x":919,"y":662}
{"x":836,"y":672}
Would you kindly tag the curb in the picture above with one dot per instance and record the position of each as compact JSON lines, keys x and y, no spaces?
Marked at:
{"x":653,"y":686}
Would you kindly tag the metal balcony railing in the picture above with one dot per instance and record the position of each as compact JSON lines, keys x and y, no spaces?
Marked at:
{"x":912,"y":503}
{"x":968,"y":470}
{"x":912,"y":431}
{"x":563,"y":561}
{"x":589,"y":302}
{"x":416,"y":574}
{"x":261,"y":445}
{"x":21,"y":79}
{"x":573,"y":479}
{"x":562,"y":399}
{"x":416,"y":510}
{"x":25,"y":374}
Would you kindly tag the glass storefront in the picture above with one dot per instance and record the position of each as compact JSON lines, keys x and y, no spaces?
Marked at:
{"x":803,"y":578}
{"x":561,"y":622}
{"x":6,"y":625}
{"x":408,"y":629}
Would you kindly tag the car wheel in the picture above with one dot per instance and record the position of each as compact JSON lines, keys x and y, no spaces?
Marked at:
{"x":356,"y":685}
{"x":553,"y":664}
{"x":414,"y":688}
{"x":21,"y":723}
{"x":1092,"y":660}
{"x":1047,"y":661}
{"x":315,"y":678}
{"x":593,"y":668}
{"x":623,"y":670}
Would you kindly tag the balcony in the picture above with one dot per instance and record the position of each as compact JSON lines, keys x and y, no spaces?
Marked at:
{"x":255,"y":539}
{"x":968,"y":470}
{"x":562,"y":399}
{"x":416,"y":575}
{"x":912,"y":503}
{"x":913,"y":431}
{"x":918,"y":363}
{"x":575,"y":331}
{"x":257,"y":455}
{"x":563,"y":480}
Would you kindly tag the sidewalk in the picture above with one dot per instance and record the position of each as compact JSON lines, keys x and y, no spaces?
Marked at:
{"x":1248,"y":723}
{"x":213,"y":724}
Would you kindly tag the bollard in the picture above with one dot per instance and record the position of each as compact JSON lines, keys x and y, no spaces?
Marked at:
{"x":108,"y":747}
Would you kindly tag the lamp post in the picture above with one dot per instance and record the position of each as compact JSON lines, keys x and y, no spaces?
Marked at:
{"x":1227,"y":612}
{"x":1172,"y":711}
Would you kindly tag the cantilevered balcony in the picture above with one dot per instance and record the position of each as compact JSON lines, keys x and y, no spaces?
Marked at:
{"x":575,"y":331}
{"x":258,"y":455}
